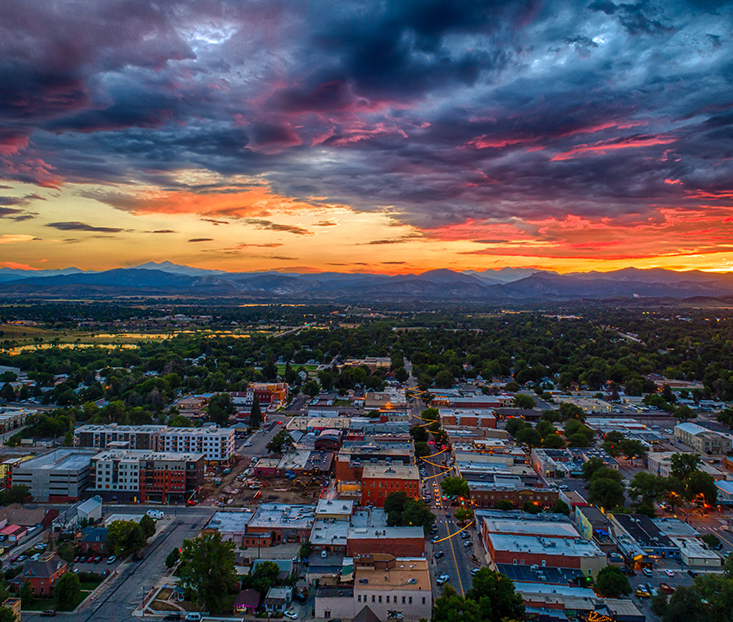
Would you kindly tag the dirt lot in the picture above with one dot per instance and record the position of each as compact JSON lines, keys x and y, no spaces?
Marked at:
{"x":236,"y":486}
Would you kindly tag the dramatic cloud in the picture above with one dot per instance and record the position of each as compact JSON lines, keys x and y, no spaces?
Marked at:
{"x":81,"y":226}
{"x":491,"y":123}
{"x":201,"y":240}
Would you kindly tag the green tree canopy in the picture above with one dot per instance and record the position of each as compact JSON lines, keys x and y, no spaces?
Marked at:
{"x":281,"y":442}
{"x":524,"y":401}
{"x":606,"y":493}
{"x":67,"y":590}
{"x":147,"y":524}
{"x":207,"y":568}
{"x":612,"y":583}
{"x":496,"y":597}
{"x":454,"y":487}
{"x":124,"y":537}
{"x":684,"y":464}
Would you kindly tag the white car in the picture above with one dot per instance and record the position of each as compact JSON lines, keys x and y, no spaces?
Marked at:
{"x":155,"y":514}
{"x":444,"y":578}
{"x":290,"y":614}
{"x":193,"y":616}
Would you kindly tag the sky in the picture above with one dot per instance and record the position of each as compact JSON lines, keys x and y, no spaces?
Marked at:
{"x":387,"y":136}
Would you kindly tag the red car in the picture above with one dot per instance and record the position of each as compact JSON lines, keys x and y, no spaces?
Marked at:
{"x":666,"y":588}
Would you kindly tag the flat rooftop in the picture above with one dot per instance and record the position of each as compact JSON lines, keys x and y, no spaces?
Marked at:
{"x":330,"y":532}
{"x":371,"y":517}
{"x":282,"y":516}
{"x":135,"y":455}
{"x":642,"y":529}
{"x":58,"y":460}
{"x":370,"y":533}
{"x":331,"y":507}
{"x":550,"y":529}
{"x":390,"y":471}
{"x":407,"y":574}
{"x":675,"y":528}
{"x":229,"y":521}
{"x":545,"y":545}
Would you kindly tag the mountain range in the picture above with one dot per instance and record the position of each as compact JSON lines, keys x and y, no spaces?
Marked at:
{"x":491,"y":286}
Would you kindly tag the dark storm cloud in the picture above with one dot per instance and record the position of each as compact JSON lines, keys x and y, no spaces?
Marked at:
{"x":81,"y":226}
{"x":201,"y":240}
{"x":434,"y":112}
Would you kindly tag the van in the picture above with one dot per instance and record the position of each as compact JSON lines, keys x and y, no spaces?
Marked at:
{"x":155,"y":514}
{"x":193,"y":616}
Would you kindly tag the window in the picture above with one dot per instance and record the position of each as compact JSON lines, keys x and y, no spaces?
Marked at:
{"x":387,"y":599}
{"x":372,"y":597}
{"x":380,"y":598}
{"x":410,"y":600}
{"x":403,"y":600}
{"x":423,"y":600}
{"x":358,"y":598}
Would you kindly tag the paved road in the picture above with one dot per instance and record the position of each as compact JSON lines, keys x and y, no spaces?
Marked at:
{"x":260,"y":439}
{"x":118,"y":602}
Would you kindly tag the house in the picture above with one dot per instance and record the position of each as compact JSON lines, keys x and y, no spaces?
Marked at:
{"x":93,"y":539}
{"x":90,"y":510}
{"x":42,"y":574}
{"x":14,"y":605}
{"x":247,"y":601}
{"x":278,"y":599}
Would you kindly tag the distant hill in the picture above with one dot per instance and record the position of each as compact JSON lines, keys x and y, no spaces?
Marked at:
{"x":491,"y":286}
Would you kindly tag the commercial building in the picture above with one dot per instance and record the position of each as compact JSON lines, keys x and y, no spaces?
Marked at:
{"x":380,"y":481}
{"x":275,"y":523}
{"x":369,"y":533}
{"x":388,"y":585}
{"x":486,"y":494}
{"x":136,"y":476}
{"x":267,"y":393}
{"x":373,"y":450}
{"x":660,"y":463}
{"x":593,"y":525}
{"x":701,"y":439}
{"x":556,"y":463}
{"x":693,"y":553}
{"x":231,"y":525}
{"x":217,"y":444}
{"x":647,"y":536}
{"x":60,"y":476}
{"x":465,"y":418}
{"x":545,"y":551}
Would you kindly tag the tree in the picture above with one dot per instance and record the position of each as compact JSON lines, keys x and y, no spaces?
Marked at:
{"x":496,"y":597}
{"x":255,"y":414}
{"x":305,"y":550}
{"x":124,"y":537}
{"x":454,"y":487}
{"x":405,"y":511}
{"x":612,"y":583}
{"x":207,"y":569}
{"x":591,"y":466}
{"x":19,"y":493}
{"x":264,"y":577}
{"x":66,"y":591}
{"x":172,"y":557}
{"x":647,"y":487}
{"x":504,"y":505}
{"x":572,"y":411}
{"x":221,"y":408}
{"x":711,"y":540}
{"x":531,"y":508}
{"x":7,"y":615}
{"x":606,"y":493}
{"x":464,"y":514}
{"x":282,"y":441}
{"x":701,"y":485}
{"x":554,"y":441}
{"x":444,"y":379}
{"x":684,"y":413}
{"x":524,"y":401}
{"x":561,"y":507}
{"x":684,"y":606}
{"x":26,"y":594}
{"x":419,"y":434}
{"x":147,"y":524}
{"x":528,"y":436}
{"x":632,"y":448}
{"x":684,"y":464}
{"x":514,"y":424}
{"x":451,"y":607}
{"x":395,"y":502}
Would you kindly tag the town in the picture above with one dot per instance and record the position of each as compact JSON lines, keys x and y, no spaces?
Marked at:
{"x":337,"y":464}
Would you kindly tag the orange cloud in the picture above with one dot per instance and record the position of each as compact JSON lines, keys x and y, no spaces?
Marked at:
{"x":634,"y":142}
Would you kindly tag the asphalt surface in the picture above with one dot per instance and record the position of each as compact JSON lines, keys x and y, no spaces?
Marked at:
{"x":121,"y":598}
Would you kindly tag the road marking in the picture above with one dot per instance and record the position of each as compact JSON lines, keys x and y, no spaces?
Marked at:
{"x":455,"y":561}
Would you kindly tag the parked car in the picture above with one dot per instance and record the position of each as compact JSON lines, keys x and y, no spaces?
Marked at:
{"x":444,"y":578}
{"x":642,"y":593}
{"x":173,"y":616}
{"x":666,"y":588}
{"x":474,"y":571}
{"x":155,"y":514}
{"x":324,"y":554}
{"x":439,"y":554}
{"x":48,"y":613}
{"x":193,"y":616}
{"x":97,"y":559}
{"x":692,"y":573}
{"x":467,"y":543}
{"x":290,"y":614}
{"x":76,"y":559}
{"x":669,"y":573}
{"x":647,"y":572}
{"x":111,"y":559}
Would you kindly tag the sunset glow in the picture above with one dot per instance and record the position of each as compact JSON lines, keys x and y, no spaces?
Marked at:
{"x":314,"y":137}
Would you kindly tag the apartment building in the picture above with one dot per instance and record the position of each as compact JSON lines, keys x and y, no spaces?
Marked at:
{"x":702,"y":440}
{"x":136,"y":476}
{"x":217,"y":444}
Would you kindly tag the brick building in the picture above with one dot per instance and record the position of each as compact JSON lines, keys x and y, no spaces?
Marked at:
{"x":134,"y":476}
{"x":398,"y":541}
{"x":464,"y":418}
{"x":379,"y":481}
{"x":42,"y":574}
